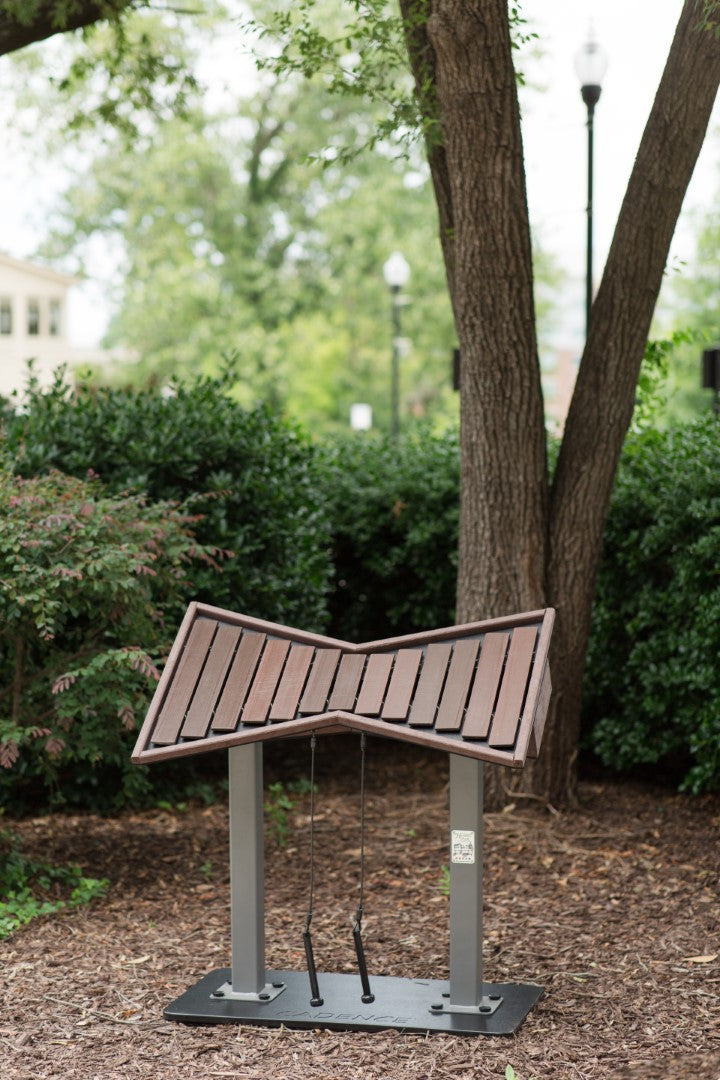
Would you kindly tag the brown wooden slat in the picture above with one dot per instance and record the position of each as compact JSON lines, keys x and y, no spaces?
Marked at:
{"x":285,"y":705}
{"x":211,"y":681}
{"x":485,"y":686}
{"x":457,"y":685}
{"x":541,"y":710}
{"x":402,"y":684}
{"x":227,"y":712}
{"x":503,"y":729}
{"x":181,"y":689}
{"x":372,"y":690}
{"x":347,"y":681}
{"x":430,"y":684}
{"x":265,"y":682}
{"x":314,"y":700}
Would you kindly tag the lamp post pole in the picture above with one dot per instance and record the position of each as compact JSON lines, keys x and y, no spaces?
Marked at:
{"x":590,"y":65}
{"x":396,"y":273}
{"x":395,"y":366}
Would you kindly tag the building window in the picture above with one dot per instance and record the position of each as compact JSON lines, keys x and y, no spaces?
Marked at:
{"x":54,"y":322}
{"x":33,"y":317}
{"x":5,"y":315}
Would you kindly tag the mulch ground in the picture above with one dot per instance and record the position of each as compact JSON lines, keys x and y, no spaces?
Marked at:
{"x":614,"y":909}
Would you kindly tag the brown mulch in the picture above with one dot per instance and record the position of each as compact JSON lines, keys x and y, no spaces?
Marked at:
{"x":614,"y":909}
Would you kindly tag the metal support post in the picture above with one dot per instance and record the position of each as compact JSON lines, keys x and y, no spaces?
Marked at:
{"x":395,"y":369}
{"x":589,"y":216}
{"x":464,"y":1005}
{"x":466,"y":889}
{"x":247,"y":892}
{"x":466,"y":880}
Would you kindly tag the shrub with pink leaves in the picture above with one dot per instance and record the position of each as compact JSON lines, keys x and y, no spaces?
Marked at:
{"x":91,"y":587}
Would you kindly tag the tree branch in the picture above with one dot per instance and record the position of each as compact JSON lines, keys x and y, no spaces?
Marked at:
{"x":604,"y":396}
{"x":22,"y":24}
{"x":422,"y":64}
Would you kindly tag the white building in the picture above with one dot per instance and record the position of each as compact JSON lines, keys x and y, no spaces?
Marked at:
{"x":33,"y":322}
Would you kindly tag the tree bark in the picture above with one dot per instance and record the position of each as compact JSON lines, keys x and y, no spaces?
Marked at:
{"x":22,"y":24}
{"x":503,"y":509}
{"x":422,"y":64}
{"x":503,"y":487}
{"x":522,"y":547}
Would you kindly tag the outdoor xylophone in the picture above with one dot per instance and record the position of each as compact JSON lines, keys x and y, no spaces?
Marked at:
{"x":479,"y":691}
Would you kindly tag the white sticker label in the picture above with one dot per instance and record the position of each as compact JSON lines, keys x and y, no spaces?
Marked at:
{"x":462,"y":846}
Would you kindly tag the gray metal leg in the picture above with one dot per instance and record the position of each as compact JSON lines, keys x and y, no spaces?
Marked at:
{"x":466,"y":880}
{"x":247,"y":892}
{"x":466,"y":888}
{"x":464,"y":1006}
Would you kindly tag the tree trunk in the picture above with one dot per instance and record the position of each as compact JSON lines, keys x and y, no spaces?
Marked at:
{"x":519,"y":547}
{"x":604,"y":397}
{"x":503,"y":510}
{"x":503,"y":488}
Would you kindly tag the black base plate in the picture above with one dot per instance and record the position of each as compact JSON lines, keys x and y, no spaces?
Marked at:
{"x":404,"y":1004}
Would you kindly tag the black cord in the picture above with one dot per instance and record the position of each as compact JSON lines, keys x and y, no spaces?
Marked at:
{"x":315,"y":998}
{"x":312,"y":833}
{"x":367,"y":995}
{"x":359,"y":912}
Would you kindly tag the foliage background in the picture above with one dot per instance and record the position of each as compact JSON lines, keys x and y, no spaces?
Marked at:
{"x":250,"y":476}
{"x":356,"y":537}
{"x":652,"y":687}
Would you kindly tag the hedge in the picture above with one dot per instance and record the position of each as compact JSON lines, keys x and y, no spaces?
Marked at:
{"x":357,"y":537}
{"x":393,"y":507}
{"x":652,"y":686}
{"x":250,"y":474}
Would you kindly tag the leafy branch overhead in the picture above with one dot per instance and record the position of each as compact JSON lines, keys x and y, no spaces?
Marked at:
{"x":360,"y":49}
{"x":24,"y":21}
{"x":132,"y":64}
{"x":363,"y":57}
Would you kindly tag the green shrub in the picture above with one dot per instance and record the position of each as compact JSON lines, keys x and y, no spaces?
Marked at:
{"x":251,"y":476}
{"x":652,"y":687}
{"x":393,"y":506}
{"x":86,"y":582}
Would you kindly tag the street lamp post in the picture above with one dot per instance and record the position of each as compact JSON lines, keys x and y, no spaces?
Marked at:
{"x":397,"y":274}
{"x":590,"y":66}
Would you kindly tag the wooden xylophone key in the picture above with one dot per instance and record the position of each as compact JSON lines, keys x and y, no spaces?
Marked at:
{"x":285,"y":704}
{"x":485,"y":686}
{"x":265,"y":682}
{"x":320,"y":679}
{"x":457,"y":685}
{"x":430,"y":684}
{"x":237,"y":684}
{"x":347,"y":681}
{"x":402,"y":684}
{"x":211,"y":681}
{"x":503,"y":729}
{"x":180,"y":694}
{"x":375,"y":679}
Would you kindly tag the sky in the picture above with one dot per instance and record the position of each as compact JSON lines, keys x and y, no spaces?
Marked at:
{"x":636,"y":36}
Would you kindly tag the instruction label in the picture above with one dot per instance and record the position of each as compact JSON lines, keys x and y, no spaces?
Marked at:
{"x":462,"y":846}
